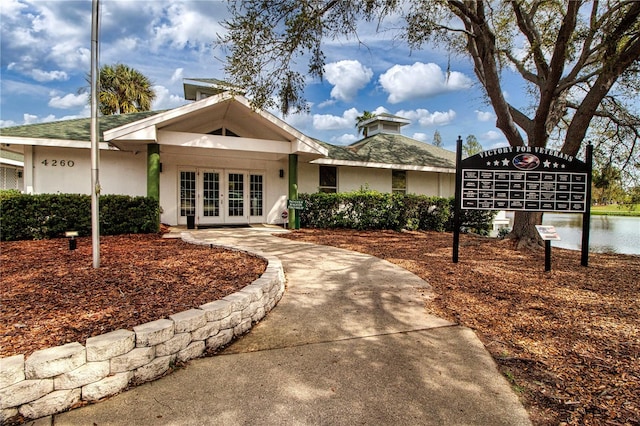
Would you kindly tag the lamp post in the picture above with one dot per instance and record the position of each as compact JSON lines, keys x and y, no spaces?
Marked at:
{"x":95,"y":142}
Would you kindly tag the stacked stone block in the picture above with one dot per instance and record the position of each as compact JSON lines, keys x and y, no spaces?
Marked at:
{"x":56,"y":379}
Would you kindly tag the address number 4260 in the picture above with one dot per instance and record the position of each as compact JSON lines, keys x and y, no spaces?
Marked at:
{"x":56,"y":163}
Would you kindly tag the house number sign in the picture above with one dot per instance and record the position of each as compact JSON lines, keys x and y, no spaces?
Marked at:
{"x":58,"y":163}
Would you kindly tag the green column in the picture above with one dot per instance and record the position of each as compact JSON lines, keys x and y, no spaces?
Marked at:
{"x":153,"y":171}
{"x":294,"y":221}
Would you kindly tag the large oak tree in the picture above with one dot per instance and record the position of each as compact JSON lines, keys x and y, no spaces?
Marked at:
{"x":578,"y":59}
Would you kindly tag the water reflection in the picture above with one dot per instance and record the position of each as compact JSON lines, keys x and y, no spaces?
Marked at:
{"x":608,"y":234}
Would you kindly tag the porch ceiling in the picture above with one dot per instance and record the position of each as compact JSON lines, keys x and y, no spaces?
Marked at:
{"x":193,"y":124}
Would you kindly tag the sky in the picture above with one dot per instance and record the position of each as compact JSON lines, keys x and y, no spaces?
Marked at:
{"x":45,"y":58}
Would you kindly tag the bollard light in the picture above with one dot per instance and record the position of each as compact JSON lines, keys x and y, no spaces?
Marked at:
{"x":73,"y":243}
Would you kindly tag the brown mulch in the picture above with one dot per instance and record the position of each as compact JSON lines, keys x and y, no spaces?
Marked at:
{"x":50,"y":295}
{"x":568,"y":340}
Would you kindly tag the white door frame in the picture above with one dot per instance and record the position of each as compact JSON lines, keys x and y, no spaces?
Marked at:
{"x":248,"y":184}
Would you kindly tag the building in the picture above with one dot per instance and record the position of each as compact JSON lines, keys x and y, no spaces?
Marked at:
{"x":221,"y":161}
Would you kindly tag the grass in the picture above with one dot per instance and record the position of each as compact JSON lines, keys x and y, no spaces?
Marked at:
{"x":616,"y":210}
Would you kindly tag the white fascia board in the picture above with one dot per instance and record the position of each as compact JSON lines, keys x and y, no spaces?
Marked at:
{"x":11,"y":162}
{"x":154,"y":120}
{"x":303,"y":143}
{"x":411,"y":167}
{"x":198,"y":140}
{"x":144,"y":134}
{"x":62,"y":143}
{"x":301,"y":147}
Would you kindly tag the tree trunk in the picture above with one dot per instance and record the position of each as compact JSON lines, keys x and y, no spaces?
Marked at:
{"x":524,"y":230}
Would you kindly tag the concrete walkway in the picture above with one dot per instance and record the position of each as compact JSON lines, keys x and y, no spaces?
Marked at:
{"x":349,"y":343}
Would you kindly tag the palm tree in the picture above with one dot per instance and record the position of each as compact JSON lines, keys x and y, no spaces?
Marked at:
{"x":122,"y":89}
{"x":366,"y":115}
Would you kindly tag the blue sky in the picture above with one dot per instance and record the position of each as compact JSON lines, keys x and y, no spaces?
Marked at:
{"x":45,"y":57}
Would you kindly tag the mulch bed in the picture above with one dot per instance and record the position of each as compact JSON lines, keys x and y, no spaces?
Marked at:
{"x":50,"y":295}
{"x":568,"y":340}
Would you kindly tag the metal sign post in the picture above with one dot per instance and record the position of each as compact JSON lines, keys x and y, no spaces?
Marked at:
{"x":457,"y":206}
{"x":548,"y":234}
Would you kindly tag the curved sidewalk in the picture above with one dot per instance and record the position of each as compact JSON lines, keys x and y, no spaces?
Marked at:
{"x":349,"y":343}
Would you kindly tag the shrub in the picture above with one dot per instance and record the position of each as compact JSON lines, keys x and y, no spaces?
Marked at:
{"x":366,"y":209}
{"x":24,"y":216}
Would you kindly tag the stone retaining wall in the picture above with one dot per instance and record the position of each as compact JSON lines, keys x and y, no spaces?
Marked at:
{"x":54,"y":380}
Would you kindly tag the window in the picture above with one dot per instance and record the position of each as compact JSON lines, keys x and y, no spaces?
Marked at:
{"x":328,"y":179}
{"x":399,"y":181}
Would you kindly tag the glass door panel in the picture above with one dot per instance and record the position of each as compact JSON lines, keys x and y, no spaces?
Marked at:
{"x":187,"y":193}
{"x":235,"y":195}
{"x":256,"y":195}
{"x":210,"y":194}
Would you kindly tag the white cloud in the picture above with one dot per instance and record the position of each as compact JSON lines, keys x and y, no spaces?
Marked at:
{"x":333,"y":122}
{"x":483,"y":116}
{"x":494,"y":139}
{"x":428,"y":119}
{"x":177,"y":75}
{"x":380,"y":110}
{"x":420,"y":137}
{"x":406,"y":82}
{"x":43,"y":76}
{"x":327,"y":103}
{"x":34,"y":119}
{"x":30,"y":118}
{"x":492,"y":135}
{"x":345,"y":139}
{"x":69,"y":101}
{"x":347,"y":77}
{"x":183,"y":25}
{"x":166,"y":100}
{"x":297,"y":121}
{"x":7,"y":123}
{"x":71,"y":56}
{"x":11,"y":8}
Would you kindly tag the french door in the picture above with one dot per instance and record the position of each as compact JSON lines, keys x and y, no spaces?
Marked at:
{"x":221,"y":196}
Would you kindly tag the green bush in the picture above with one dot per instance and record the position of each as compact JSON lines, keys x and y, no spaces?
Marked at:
{"x":25,"y":217}
{"x":366,"y":209}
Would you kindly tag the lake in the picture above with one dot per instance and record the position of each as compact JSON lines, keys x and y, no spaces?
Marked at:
{"x":609,"y":234}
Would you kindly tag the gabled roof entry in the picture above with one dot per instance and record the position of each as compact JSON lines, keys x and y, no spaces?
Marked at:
{"x":209,"y":114}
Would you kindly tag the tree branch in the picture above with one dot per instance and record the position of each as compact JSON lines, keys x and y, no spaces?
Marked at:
{"x":528,"y":28}
{"x":548,"y":92}
{"x":482,"y":45}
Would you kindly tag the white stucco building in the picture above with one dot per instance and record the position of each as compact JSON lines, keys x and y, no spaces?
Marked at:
{"x":221,"y":161}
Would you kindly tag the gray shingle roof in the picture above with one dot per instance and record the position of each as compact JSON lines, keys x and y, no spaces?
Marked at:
{"x":393,"y":149}
{"x":380,"y":148}
{"x":76,"y":130}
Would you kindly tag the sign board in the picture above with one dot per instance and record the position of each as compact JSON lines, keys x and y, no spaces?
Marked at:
{"x":296,"y":204}
{"x":548,"y":233}
{"x":526,"y":179}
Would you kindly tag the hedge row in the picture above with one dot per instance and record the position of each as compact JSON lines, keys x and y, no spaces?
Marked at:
{"x":26,"y":217}
{"x":374,"y":210}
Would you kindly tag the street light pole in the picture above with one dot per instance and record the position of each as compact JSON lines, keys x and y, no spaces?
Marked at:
{"x":95,"y":141}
